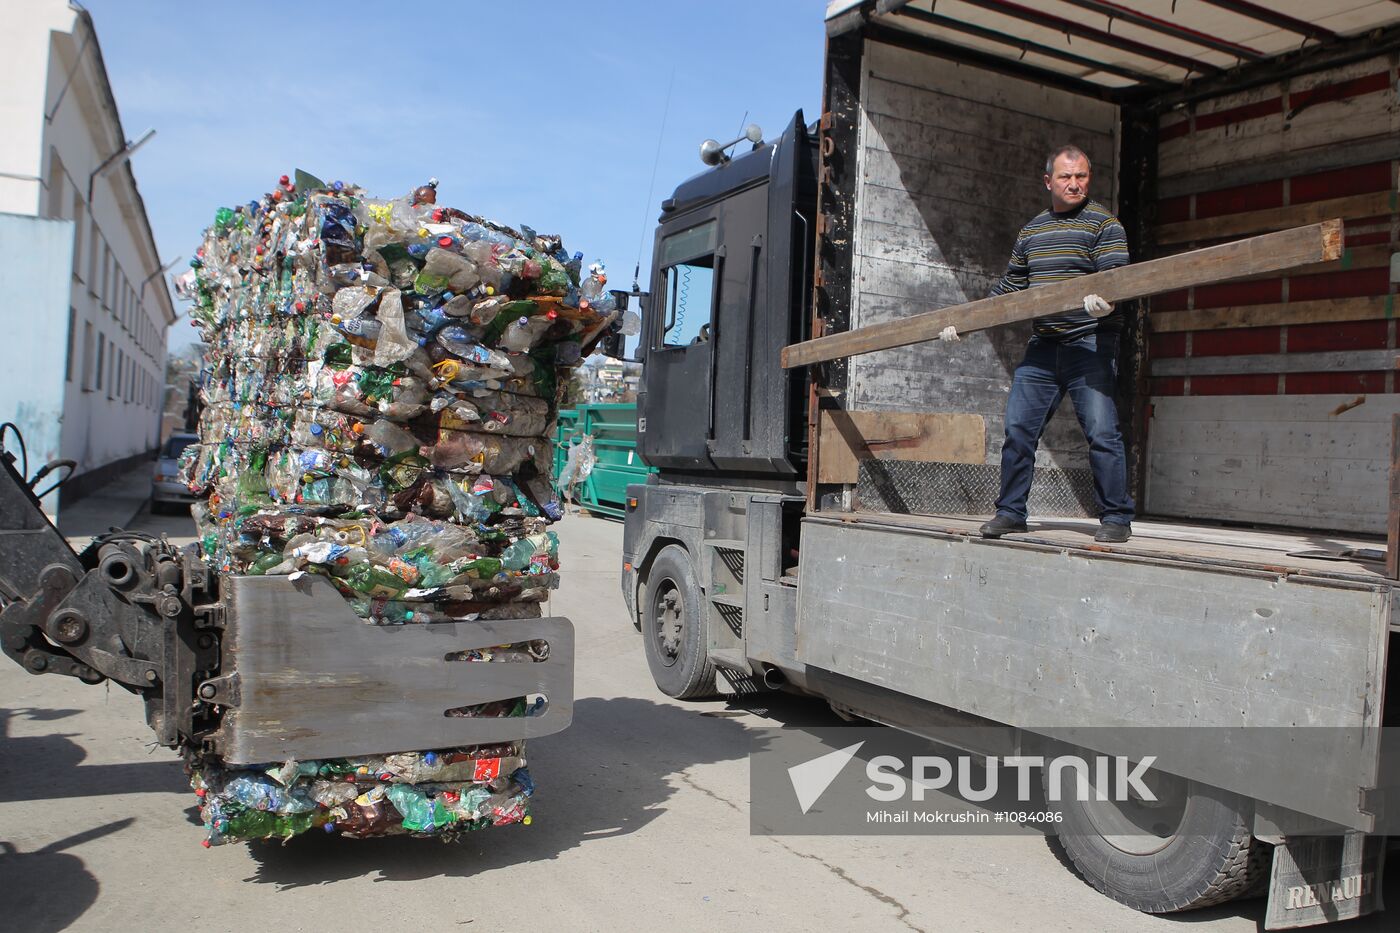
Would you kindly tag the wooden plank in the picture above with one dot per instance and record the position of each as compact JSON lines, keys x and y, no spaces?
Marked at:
{"x":1269,"y":409}
{"x":1372,"y":256}
{"x":848,"y":437}
{"x":1322,"y":159}
{"x":1029,"y":99}
{"x":1278,"y":218}
{"x":1325,"y":311}
{"x":1342,"y":361}
{"x":1282,"y":250}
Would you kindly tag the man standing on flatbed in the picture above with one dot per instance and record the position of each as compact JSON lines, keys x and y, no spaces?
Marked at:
{"x":1074,"y":354}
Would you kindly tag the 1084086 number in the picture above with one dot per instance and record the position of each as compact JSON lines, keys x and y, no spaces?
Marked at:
{"x":1037,"y":816}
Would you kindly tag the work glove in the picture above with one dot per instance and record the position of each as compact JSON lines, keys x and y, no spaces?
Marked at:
{"x":949,"y":333}
{"x":1096,"y":306}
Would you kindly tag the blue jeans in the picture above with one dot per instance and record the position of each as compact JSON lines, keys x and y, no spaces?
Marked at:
{"x":1086,"y":369}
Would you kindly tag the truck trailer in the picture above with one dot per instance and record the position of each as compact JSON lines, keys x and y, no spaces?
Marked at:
{"x":816,"y":528}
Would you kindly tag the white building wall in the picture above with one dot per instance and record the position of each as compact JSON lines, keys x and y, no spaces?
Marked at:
{"x":55,"y":133}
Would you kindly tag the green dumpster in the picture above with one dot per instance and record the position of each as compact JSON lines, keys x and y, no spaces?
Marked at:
{"x":613,"y":428}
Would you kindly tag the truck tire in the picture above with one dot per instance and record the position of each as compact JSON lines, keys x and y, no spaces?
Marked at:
{"x":673,"y":627}
{"x":1193,"y":848}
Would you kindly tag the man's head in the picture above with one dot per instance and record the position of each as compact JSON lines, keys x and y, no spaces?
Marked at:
{"x":1067,"y":174}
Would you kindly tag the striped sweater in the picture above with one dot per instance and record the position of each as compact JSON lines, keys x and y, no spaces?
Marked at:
{"x":1054,"y":247}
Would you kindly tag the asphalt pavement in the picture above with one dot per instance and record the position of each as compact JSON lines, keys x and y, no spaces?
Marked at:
{"x":641,"y":822}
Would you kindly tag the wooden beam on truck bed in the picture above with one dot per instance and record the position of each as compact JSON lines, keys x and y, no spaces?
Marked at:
{"x":1320,"y":242}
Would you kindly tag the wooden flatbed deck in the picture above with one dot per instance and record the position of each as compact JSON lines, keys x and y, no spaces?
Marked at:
{"x":1356,"y":558}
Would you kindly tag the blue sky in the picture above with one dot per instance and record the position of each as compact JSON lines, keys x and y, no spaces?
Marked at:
{"x":544,"y":113}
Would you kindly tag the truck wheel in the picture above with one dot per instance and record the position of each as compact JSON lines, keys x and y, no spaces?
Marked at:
{"x":673,"y":628}
{"x":1190,"y":848}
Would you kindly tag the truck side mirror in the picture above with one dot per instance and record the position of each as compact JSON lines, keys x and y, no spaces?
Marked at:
{"x":613,"y":343}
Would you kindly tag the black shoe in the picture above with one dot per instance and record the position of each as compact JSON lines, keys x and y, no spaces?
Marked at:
{"x":1113,"y":533}
{"x":1001,"y":525}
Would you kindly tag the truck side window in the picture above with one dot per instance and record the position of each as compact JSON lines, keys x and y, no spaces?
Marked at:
{"x":688,"y":284}
{"x":689,"y":294}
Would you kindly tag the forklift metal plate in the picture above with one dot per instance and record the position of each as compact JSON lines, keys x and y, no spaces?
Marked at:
{"x":931,"y":487}
{"x":316,"y":681}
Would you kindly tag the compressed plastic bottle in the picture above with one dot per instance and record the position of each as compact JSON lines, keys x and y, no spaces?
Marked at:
{"x":421,"y":813}
{"x":373,"y":580}
{"x":524,"y":332}
{"x":520,"y":554}
{"x":260,"y":793}
{"x":389,"y":438}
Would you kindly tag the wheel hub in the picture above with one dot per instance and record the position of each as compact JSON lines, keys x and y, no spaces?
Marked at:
{"x":1138,"y":826}
{"x":670,"y":623}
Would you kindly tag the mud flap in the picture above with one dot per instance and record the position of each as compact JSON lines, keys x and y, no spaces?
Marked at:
{"x":1321,"y":879}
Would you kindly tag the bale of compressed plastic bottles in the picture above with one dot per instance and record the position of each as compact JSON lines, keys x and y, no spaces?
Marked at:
{"x":380,"y":390}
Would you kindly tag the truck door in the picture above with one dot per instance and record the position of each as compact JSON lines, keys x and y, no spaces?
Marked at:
{"x":680,"y":348}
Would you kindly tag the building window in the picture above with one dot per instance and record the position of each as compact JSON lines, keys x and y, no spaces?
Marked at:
{"x":77,"y":239}
{"x":108,"y":267}
{"x":94,"y":250}
{"x":101,"y":359}
{"x":72,"y":341}
{"x":87,"y":357}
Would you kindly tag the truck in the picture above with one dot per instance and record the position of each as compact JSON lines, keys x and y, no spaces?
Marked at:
{"x":816,"y":529}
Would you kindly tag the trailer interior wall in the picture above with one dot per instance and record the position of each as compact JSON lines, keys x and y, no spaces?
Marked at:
{"x":951,"y":162}
{"x":1271,"y":399}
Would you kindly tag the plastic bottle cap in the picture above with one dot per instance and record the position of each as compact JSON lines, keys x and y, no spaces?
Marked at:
{"x":528,"y":820}
{"x":283,"y":180}
{"x":335,"y":318}
{"x":316,"y":430}
{"x":359,"y":427}
{"x":408,"y":614}
{"x":300,"y":306}
{"x":444,"y":241}
{"x":205,"y":842}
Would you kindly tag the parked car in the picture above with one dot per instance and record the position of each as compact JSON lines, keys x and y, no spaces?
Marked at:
{"x":166,"y":490}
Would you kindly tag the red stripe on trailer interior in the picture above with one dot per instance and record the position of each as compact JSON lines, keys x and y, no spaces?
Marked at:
{"x":1174,"y":131}
{"x":1174,"y":210}
{"x":1169,"y":385}
{"x":1162,"y":346}
{"x":1357,"y":335}
{"x":1257,"y":197}
{"x":1348,"y":283}
{"x":1263,"y":108}
{"x":1340,"y":183}
{"x":1230,"y":294}
{"x":1236,"y":341}
{"x":1366,"y":84}
{"x":1170,"y":301}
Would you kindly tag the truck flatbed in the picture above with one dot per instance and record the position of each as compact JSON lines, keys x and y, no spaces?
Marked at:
{"x":1278,"y":551}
